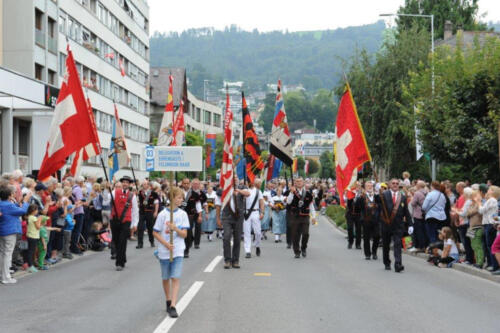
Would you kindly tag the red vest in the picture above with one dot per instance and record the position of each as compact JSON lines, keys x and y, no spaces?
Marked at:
{"x":121,"y":198}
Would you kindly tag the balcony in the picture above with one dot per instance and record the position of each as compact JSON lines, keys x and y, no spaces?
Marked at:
{"x":40,"y":37}
{"x":52,"y":45}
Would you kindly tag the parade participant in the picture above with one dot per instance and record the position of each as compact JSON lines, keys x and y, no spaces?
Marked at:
{"x":231,"y":220}
{"x":302,"y":207}
{"x":209,"y":222}
{"x":288,"y":216}
{"x":254,"y":213}
{"x":122,"y":215}
{"x":369,"y":203}
{"x":278,"y":214}
{"x":192,"y":205}
{"x":266,"y":221}
{"x":163,"y":230}
{"x":353,"y":218}
{"x":394,"y":214}
{"x":148,"y":210}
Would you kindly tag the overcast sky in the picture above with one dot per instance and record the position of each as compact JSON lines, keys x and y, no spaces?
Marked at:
{"x":267,"y":15}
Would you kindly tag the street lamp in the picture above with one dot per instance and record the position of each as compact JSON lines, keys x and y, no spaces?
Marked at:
{"x":431,"y":16}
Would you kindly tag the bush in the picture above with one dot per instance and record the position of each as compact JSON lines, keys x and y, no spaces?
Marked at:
{"x":337,"y":214}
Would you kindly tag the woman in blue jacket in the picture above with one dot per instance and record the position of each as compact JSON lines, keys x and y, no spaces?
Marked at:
{"x":10,"y":226}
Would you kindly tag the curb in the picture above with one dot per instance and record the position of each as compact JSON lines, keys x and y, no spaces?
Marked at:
{"x":481,"y":273}
{"x":20,"y":273}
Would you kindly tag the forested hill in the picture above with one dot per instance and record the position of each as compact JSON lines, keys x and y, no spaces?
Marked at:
{"x":311,"y":58}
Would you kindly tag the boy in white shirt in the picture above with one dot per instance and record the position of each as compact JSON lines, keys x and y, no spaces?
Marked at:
{"x":163,"y":228}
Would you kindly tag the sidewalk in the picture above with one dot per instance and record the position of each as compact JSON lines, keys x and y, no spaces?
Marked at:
{"x":468,"y":269}
{"x":20,"y":273}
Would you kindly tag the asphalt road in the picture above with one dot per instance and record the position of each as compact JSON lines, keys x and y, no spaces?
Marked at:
{"x":332,"y":290}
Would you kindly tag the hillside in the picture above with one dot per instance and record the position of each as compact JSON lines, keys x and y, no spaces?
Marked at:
{"x":311,"y":58}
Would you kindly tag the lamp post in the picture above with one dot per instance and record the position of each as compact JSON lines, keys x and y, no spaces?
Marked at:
{"x":431,"y":16}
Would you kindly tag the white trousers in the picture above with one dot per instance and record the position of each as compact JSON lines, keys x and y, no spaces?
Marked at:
{"x":7,"y":244}
{"x":253,"y":222}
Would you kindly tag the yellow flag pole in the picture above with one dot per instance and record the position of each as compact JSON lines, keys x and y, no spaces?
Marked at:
{"x":171,"y":195}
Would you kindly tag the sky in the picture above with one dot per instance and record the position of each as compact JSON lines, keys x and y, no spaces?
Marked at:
{"x":269,"y":15}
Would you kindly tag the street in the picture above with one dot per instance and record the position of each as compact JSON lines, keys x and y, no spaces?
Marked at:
{"x":332,"y":290}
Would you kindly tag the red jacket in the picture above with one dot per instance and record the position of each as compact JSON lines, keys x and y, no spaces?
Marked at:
{"x":121,"y":197}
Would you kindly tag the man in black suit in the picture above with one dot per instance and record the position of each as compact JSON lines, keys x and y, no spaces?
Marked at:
{"x":395,"y":218}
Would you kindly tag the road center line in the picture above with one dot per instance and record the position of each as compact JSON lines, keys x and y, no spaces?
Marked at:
{"x":212,"y":264}
{"x":168,"y":322}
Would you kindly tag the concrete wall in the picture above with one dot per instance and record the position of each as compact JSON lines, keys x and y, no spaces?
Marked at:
{"x":19,"y":36}
{"x":1,"y":33}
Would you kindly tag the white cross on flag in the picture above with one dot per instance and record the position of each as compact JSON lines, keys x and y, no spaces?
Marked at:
{"x":351,"y":150}
{"x":72,"y":127}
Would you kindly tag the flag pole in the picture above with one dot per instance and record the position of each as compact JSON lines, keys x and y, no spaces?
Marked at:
{"x":109,"y":185}
{"x":133,"y":175}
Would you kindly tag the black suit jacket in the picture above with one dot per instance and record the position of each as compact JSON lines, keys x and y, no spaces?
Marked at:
{"x":402,"y":218}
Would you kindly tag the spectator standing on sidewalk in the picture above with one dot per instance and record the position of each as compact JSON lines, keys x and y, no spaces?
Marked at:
{"x":489,"y":209}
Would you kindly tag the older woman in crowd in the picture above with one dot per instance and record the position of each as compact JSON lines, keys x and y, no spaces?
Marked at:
{"x":421,"y":240}
{"x":476,"y":231}
{"x":461,"y":208}
{"x":10,"y":226}
{"x":488,"y":208}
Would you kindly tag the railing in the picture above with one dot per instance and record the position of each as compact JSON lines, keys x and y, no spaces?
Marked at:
{"x":40,"y":37}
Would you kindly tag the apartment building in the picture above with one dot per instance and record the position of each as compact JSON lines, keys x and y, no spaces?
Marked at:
{"x":110,"y":43}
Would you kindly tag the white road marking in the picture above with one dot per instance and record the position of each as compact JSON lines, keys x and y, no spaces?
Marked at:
{"x":212,"y":265}
{"x":168,"y":322}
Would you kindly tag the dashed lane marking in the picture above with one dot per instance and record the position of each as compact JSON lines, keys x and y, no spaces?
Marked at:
{"x":212,"y":264}
{"x":261,"y":274}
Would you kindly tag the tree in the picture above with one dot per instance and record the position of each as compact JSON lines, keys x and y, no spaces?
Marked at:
{"x":300,"y":166}
{"x":327,"y":166}
{"x":313,"y":166}
{"x":462,"y":14}
{"x":458,"y":123}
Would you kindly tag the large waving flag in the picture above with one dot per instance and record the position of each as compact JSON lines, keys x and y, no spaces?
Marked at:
{"x":254,"y":163}
{"x":351,"y":150}
{"x":119,"y":156}
{"x":72,"y":126}
{"x":280,"y":139}
{"x":227,"y":177}
{"x":90,"y":150}
{"x":179,"y":129}
{"x":166,"y":136}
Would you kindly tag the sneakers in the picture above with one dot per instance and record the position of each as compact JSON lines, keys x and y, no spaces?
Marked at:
{"x":119,"y":268}
{"x":9,"y":281}
{"x":32,"y":269}
{"x":227,"y":265}
{"x":248,"y":255}
{"x":236,"y":264}
{"x":44,"y":268}
{"x":168,"y":305}
{"x":52,"y":261}
{"x":489,"y":269}
{"x":68,"y":256}
{"x":173,"y":312}
{"x":304,"y":253}
{"x":257,"y":251}
{"x":412,"y":250}
{"x":497,"y":272}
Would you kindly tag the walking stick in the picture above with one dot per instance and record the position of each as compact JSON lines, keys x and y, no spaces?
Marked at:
{"x":171,"y":195}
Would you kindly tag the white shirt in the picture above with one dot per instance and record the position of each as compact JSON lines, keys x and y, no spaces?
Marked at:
{"x":289,"y":199}
{"x":249,"y":200}
{"x":181,"y":221}
{"x":453,"y":249}
{"x":267,"y":197}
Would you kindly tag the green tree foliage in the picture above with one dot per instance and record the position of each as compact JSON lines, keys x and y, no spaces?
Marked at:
{"x":327,"y":166}
{"x":313,"y":167}
{"x":462,"y":14}
{"x":458,"y":124}
{"x":302,"y":110}
{"x":310,"y":58}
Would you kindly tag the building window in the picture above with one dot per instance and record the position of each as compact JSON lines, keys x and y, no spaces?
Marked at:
{"x":198,"y":114}
{"x":52,"y":40}
{"x":206,"y":117}
{"x":52,"y":77}
{"x":24,"y":132}
{"x":39,"y":33}
{"x":38,"y":72}
{"x":135,"y":161}
{"x":62,"y":24}
{"x":62,"y":64}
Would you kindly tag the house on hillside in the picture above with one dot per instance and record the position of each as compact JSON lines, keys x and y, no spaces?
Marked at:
{"x":467,"y":38}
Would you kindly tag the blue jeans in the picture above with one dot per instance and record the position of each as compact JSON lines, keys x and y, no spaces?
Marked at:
{"x":431,"y":227}
{"x":77,"y":230}
{"x":489,"y":237}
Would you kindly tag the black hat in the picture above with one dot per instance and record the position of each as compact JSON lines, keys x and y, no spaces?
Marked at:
{"x":126,"y":178}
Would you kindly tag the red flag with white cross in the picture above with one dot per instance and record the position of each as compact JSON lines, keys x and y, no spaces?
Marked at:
{"x":72,"y":128}
{"x":351,"y":150}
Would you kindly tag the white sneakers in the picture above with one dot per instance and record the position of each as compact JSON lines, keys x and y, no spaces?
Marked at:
{"x":10,"y":281}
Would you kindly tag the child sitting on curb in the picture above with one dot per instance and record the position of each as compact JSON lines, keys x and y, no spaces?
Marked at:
{"x":162,"y":231}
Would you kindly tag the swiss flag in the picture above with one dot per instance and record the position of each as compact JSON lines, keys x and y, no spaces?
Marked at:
{"x":72,"y":128}
{"x":351,"y":150}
